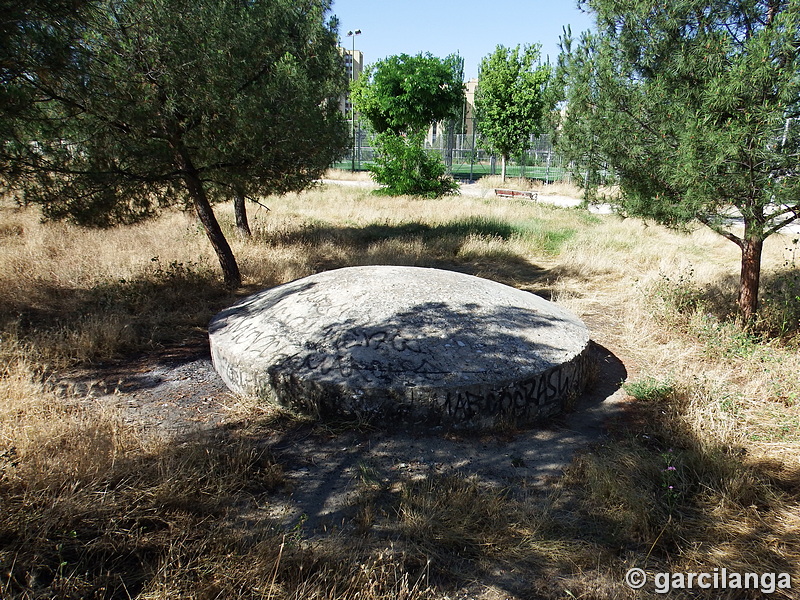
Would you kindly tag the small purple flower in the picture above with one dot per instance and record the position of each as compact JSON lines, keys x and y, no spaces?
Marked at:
{"x":671,"y":468}
{"x":670,"y":487}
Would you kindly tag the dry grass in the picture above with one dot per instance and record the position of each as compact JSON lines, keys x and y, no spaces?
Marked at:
{"x":339,"y":175}
{"x":72,"y":295}
{"x":94,"y":509}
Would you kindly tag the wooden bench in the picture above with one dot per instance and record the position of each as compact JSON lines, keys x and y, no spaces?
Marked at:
{"x":516,"y":194}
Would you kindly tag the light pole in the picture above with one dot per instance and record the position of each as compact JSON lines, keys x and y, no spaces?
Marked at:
{"x":353,"y":35}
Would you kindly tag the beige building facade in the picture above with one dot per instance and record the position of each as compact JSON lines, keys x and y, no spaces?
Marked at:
{"x":354,"y":66}
{"x":469,"y":111}
{"x":468,"y":125}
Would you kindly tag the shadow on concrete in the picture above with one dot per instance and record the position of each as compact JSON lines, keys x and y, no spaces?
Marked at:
{"x":329,"y":461}
{"x":477,"y":351}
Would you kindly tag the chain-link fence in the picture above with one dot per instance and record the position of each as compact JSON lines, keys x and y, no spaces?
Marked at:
{"x":465,"y":158}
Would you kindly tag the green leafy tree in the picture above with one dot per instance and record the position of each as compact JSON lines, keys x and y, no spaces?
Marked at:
{"x":404,"y":167}
{"x":402,"y":96}
{"x":693,"y":105}
{"x":405,"y":94}
{"x":184,"y":101}
{"x":512,"y":99}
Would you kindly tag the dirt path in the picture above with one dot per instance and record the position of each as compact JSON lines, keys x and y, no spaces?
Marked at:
{"x":475,"y":190}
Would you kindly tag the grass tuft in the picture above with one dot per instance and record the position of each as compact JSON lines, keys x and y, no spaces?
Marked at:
{"x":649,"y":388}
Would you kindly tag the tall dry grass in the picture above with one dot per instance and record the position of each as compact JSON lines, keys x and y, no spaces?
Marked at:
{"x":94,"y":509}
{"x":558,"y":188}
{"x":71,"y":295}
{"x":340,"y":175}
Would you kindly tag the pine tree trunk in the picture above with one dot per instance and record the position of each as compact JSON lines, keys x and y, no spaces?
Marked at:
{"x":194,"y":185}
{"x":503,"y":167}
{"x":749,"y":282}
{"x":240,"y":210}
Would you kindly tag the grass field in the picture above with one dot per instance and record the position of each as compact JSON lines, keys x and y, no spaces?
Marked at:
{"x":701,"y":474}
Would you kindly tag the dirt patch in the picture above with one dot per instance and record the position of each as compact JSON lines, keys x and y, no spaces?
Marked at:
{"x":177,"y":395}
{"x":171,"y":394}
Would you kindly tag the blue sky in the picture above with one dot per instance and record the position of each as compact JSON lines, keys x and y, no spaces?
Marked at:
{"x":471,"y":28}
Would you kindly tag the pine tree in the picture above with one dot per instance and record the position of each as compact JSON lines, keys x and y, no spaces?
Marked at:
{"x":693,"y":104}
{"x":184,"y":101}
{"x":36,"y":38}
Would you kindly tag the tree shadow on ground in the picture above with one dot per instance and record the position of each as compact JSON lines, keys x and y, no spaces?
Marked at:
{"x":499,"y":455}
{"x":234,"y":498}
{"x":378,"y":232}
{"x":166,"y":516}
{"x":164,"y":308}
{"x":414,"y":243}
{"x":306,"y":504}
{"x":255,"y":499}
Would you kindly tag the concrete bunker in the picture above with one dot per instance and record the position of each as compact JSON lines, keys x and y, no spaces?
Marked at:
{"x":411,"y":344}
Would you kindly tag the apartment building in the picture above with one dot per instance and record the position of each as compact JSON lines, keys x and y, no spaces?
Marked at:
{"x":354,"y":66}
{"x":465,"y":120}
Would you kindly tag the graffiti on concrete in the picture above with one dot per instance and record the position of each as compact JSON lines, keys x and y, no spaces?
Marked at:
{"x":420,"y":344}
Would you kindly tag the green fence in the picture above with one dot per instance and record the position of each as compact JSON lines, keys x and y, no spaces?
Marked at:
{"x":465,"y":159}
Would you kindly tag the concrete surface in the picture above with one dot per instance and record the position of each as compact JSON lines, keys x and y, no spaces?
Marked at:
{"x":407,"y":343}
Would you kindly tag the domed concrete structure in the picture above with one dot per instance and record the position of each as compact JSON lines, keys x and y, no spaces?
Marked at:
{"x":403,"y":343}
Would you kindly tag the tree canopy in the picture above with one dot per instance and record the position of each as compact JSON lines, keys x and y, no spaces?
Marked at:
{"x":693,"y":105}
{"x":511,"y":99}
{"x":35,"y":37}
{"x":404,"y":94}
{"x":169,"y":101}
{"x":401,"y":96}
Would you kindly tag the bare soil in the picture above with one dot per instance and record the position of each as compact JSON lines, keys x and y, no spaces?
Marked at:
{"x":175,"y":394}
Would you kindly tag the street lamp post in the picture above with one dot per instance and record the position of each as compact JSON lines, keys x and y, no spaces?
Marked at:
{"x":353,"y":35}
